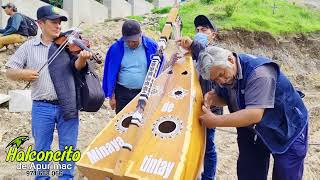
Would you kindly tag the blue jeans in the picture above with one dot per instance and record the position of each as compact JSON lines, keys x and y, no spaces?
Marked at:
{"x":45,"y":118}
{"x":210,"y":157}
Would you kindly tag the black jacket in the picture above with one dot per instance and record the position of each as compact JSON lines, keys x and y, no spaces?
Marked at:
{"x":64,"y":77}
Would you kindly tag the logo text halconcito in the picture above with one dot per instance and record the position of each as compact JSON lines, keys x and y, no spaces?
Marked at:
{"x":31,"y":155}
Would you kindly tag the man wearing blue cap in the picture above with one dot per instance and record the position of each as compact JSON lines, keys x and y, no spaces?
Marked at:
{"x":54,"y":102}
{"x":126,"y":65}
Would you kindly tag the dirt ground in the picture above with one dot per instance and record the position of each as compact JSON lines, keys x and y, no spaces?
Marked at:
{"x":298,"y":56}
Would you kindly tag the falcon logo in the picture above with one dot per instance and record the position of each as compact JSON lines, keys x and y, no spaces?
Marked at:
{"x":18,"y":141}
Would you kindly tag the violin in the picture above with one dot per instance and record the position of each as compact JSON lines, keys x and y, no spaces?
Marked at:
{"x":75,"y":44}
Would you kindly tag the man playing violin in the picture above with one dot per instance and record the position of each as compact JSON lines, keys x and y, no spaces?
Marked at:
{"x":53,"y":89}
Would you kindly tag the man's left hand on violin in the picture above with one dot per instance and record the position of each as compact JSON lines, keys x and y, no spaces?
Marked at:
{"x":85,"y":55}
{"x":82,"y":59}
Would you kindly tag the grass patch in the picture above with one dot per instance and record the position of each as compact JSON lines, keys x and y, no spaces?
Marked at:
{"x":162,"y":22}
{"x":138,"y":18}
{"x":253,"y":15}
{"x":164,"y":10}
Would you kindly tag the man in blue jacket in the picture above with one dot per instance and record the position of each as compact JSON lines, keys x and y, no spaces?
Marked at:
{"x":126,"y":65}
{"x":10,"y":34}
{"x":268,"y":112}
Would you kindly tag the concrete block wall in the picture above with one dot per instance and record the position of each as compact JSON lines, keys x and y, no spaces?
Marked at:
{"x":27,"y":7}
{"x":140,"y":7}
{"x":164,"y":3}
{"x":118,"y":8}
{"x":88,"y":11}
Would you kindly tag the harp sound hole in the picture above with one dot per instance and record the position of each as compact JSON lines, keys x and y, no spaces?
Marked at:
{"x":184,"y":73}
{"x":125,"y":123}
{"x":170,"y":72}
{"x":177,"y":93}
{"x":167,"y":127}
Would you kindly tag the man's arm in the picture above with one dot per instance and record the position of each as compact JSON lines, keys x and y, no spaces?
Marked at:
{"x":113,"y":102}
{"x":190,"y":45}
{"x":3,"y":30}
{"x":259,"y":95}
{"x":14,"y":27}
{"x":16,"y":64}
{"x":22,"y":74}
{"x":110,"y":65}
{"x":211,"y":98}
{"x":240,"y":118}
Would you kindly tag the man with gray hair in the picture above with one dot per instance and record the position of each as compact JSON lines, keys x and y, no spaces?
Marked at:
{"x":266,"y":109}
{"x":213,"y":57}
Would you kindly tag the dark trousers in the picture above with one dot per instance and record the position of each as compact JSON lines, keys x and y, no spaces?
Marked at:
{"x":123,"y":96}
{"x":210,"y":156}
{"x":253,"y":160}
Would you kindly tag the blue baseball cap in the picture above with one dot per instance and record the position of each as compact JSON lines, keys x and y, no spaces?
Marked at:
{"x":50,"y":12}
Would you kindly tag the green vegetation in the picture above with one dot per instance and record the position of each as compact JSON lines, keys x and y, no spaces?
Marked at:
{"x":164,"y":10}
{"x":138,"y":18}
{"x":58,"y":3}
{"x":206,"y":1}
{"x":274,"y":16}
{"x":162,"y":22}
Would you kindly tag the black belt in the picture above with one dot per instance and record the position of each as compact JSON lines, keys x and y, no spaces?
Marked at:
{"x":128,"y":89}
{"x":54,"y":102}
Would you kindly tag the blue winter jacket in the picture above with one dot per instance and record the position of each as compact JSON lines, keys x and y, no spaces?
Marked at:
{"x":113,"y":62}
{"x":281,"y":125}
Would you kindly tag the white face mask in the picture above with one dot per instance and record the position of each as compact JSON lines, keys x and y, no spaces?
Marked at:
{"x":202,"y":38}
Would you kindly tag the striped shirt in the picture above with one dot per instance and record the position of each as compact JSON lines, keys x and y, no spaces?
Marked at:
{"x":33,"y":54}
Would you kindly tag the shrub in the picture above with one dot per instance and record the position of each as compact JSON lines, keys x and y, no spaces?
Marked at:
{"x":164,"y":10}
{"x":229,"y":9}
{"x":206,"y":1}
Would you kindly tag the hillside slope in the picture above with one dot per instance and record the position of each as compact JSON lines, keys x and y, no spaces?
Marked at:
{"x":298,"y":56}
